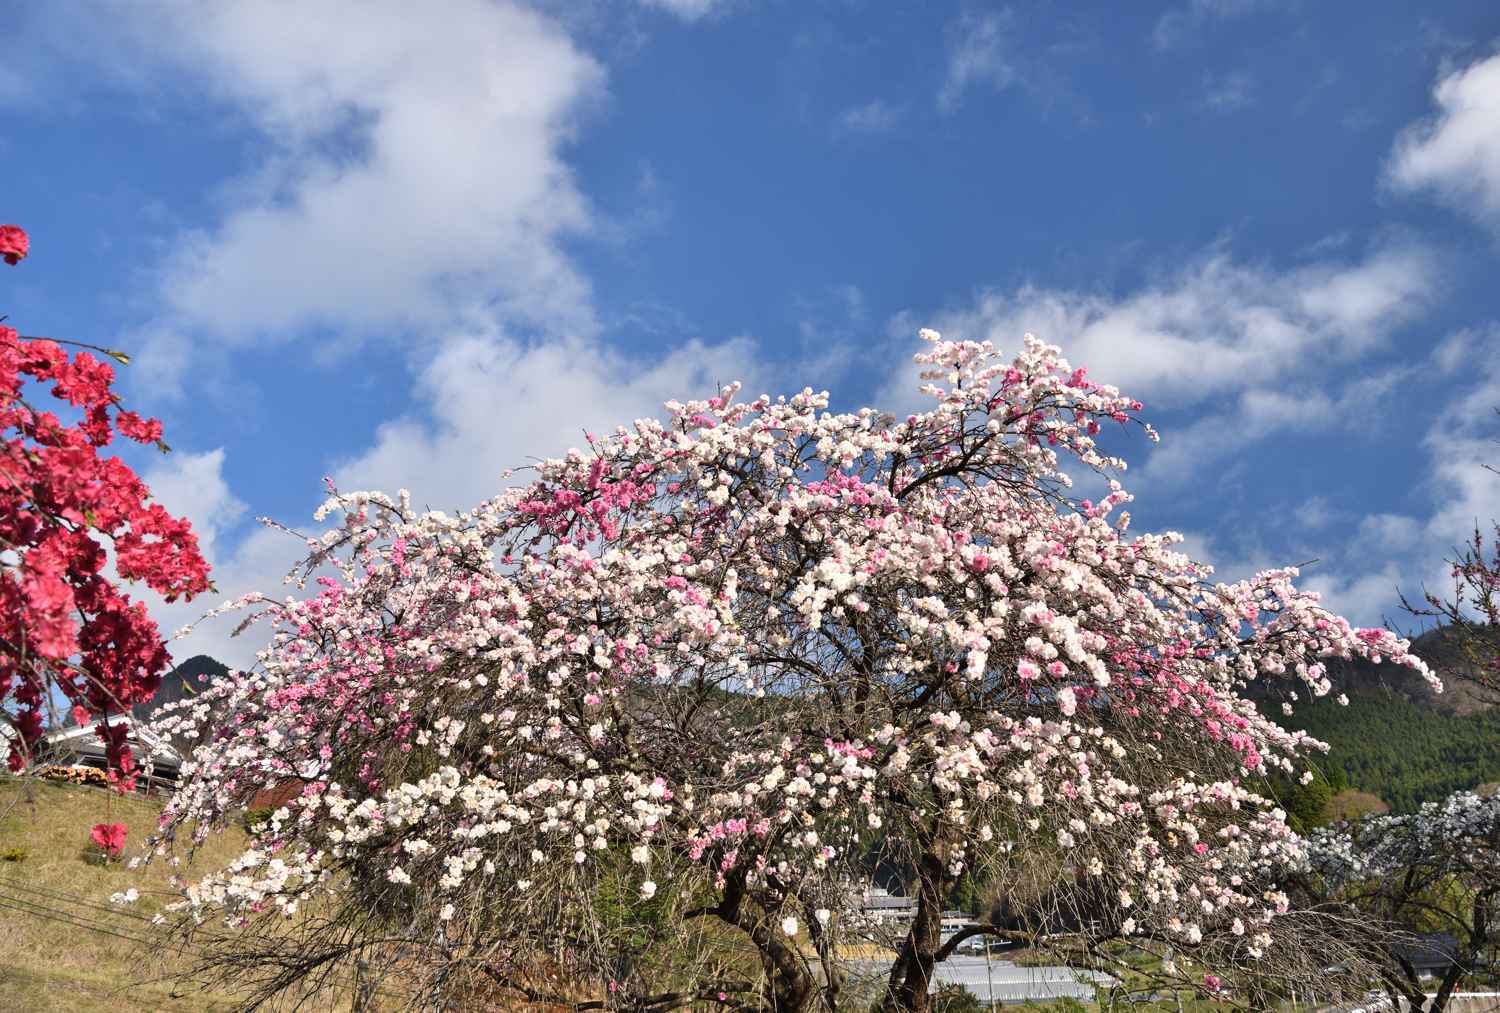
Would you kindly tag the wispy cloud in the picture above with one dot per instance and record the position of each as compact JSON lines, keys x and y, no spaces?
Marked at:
{"x":978,"y":54}
{"x":1217,"y":326}
{"x":1181,"y":25}
{"x":1227,"y":92}
{"x":1390,"y":550}
{"x":687,"y":10}
{"x":1249,"y":353}
{"x":874,"y":117}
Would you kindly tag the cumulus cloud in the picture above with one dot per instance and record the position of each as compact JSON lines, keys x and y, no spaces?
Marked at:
{"x":413,"y":183}
{"x":193,"y":486}
{"x":485,"y":403}
{"x":413,"y":167}
{"x":260,"y":562}
{"x":489,"y":402}
{"x":1456,"y":153}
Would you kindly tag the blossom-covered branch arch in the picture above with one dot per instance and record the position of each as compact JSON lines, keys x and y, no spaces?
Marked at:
{"x":712,"y":656}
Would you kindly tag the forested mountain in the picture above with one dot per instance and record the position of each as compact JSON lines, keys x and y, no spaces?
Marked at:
{"x":1399,"y":740}
{"x":1406,"y":753}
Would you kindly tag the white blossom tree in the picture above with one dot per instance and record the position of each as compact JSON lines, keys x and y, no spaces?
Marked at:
{"x":1407,"y":878}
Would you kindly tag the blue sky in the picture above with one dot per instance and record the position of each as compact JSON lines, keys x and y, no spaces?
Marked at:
{"x":412,"y":245}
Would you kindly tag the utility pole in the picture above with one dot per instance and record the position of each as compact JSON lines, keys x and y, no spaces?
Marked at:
{"x":989,"y":976}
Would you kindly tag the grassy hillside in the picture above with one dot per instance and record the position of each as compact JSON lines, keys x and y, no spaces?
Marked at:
{"x":70,"y":950}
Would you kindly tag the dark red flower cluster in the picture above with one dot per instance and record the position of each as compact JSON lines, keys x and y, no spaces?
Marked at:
{"x":64,"y":625}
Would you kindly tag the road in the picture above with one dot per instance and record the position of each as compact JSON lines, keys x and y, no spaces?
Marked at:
{"x":1002,"y":981}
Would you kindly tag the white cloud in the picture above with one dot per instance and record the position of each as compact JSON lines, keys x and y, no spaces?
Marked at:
{"x":1386,"y":534}
{"x":258,"y":562}
{"x":416,"y":185}
{"x":1456,"y":153}
{"x":493,"y":403}
{"x":490,"y":403}
{"x":1186,"y":452}
{"x":1178,"y":26}
{"x":193,"y":486}
{"x":873,"y":117}
{"x":687,"y":10}
{"x":1215,"y":327}
{"x":1389,"y":550}
{"x":414,"y":167}
{"x":1315,"y":513}
{"x":1366,"y":598}
{"x":977,"y":54}
{"x":1457,"y":349}
{"x":1367,"y":560}
{"x":1230,"y":564}
{"x":1251,"y":344}
{"x":1228,"y":92}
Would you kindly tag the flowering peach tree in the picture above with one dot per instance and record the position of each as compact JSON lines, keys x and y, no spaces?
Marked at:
{"x":109,"y":837}
{"x":711,"y":664}
{"x":67,"y":629}
{"x":1471,"y":613}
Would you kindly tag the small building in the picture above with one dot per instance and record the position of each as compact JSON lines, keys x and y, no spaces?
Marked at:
{"x":1430,"y":954}
{"x":879,"y":905}
{"x":80,"y":746}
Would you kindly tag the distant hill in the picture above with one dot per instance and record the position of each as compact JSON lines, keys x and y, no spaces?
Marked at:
{"x":182,"y":682}
{"x":1397,"y":740}
{"x":1440,"y":649}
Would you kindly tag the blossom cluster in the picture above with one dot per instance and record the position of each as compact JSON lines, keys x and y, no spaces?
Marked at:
{"x":66,"y":626}
{"x":731,"y":644}
{"x":1464,"y":824}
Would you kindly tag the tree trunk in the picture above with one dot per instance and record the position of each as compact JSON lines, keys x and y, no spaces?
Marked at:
{"x":911,"y":978}
{"x":790,"y":980}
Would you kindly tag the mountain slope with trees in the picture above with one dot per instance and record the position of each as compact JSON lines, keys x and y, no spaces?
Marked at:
{"x":1397,"y":739}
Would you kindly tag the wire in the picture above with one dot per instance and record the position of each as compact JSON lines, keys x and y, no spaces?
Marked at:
{"x":52,"y":914}
{"x":70,"y":898}
{"x":36,"y":910}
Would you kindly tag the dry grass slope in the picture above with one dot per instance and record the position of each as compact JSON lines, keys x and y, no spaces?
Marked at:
{"x":67,"y":948}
